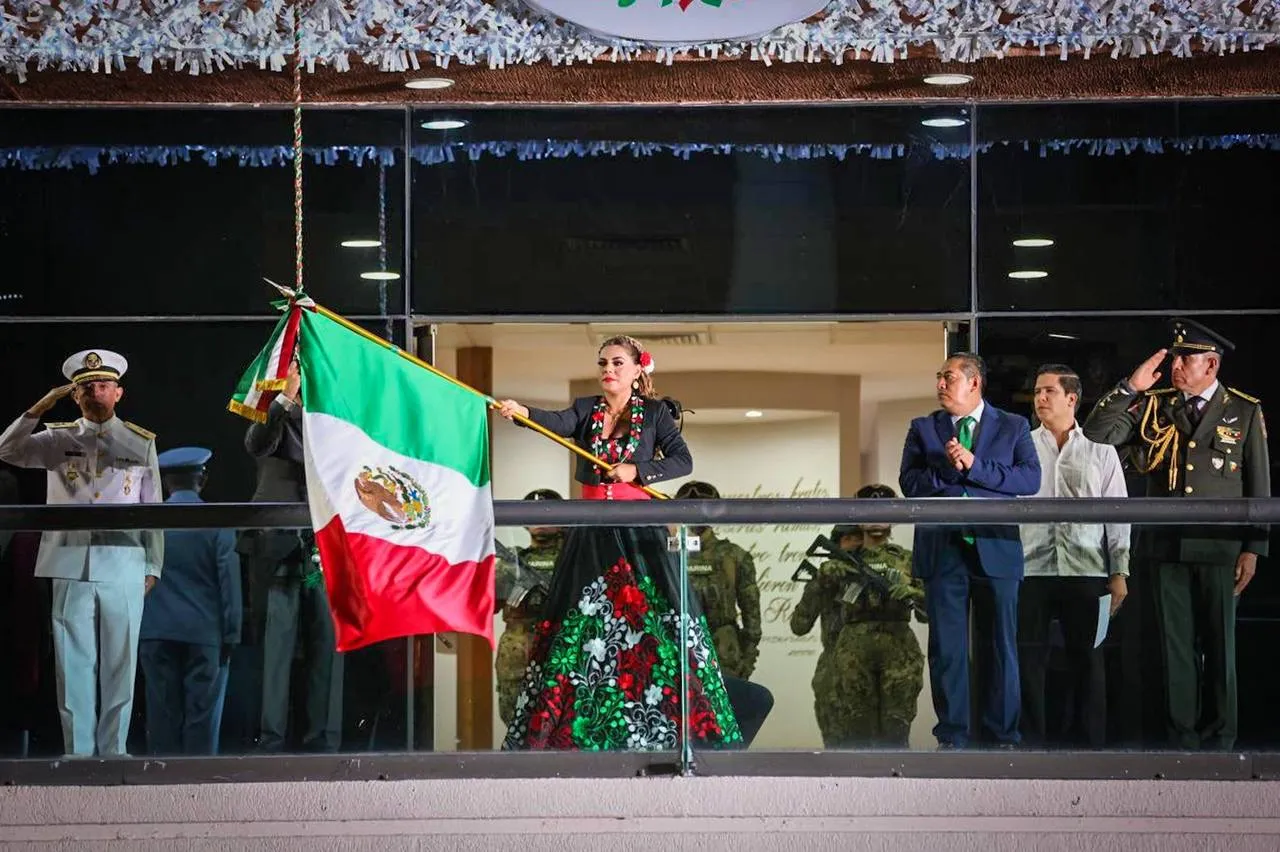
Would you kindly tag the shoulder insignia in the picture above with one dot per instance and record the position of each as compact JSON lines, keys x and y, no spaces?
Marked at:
{"x":59,"y":425}
{"x":1245,"y":396}
{"x":134,"y":427}
{"x":1159,"y":391}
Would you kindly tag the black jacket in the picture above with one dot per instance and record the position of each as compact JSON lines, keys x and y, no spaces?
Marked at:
{"x":659,"y":434}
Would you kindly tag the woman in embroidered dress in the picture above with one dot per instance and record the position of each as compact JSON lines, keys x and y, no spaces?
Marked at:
{"x":604,"y":670}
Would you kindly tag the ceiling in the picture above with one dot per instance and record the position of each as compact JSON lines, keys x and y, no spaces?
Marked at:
{"x":1019,"y":76}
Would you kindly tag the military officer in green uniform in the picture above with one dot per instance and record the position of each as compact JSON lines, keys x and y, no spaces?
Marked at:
{"x":524,"y":587}
{"x":1198,"y":438}
{"x":877,"y":667}
{"x":820,"y":603}
{"x":723,"y":576}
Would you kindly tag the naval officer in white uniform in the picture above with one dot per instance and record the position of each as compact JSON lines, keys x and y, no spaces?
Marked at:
{"x":99,"y":579}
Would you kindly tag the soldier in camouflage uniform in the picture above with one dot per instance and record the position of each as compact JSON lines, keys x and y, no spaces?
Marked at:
{"x":820,"y":602}
{"x":522,"y":593}
{"x":723,"y":576}
{"x":877,"y":668}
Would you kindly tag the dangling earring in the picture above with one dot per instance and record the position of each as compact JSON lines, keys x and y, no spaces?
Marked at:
{"x":635,"y":385}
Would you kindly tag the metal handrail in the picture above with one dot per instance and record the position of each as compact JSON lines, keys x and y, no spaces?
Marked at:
{"x":512,"y":513}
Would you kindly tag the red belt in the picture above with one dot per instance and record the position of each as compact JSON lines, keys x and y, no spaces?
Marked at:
{"x":614,"y":491}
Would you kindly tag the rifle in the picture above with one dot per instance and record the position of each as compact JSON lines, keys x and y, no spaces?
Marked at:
{"x":854,"y":564}
{"x":524,"y":582}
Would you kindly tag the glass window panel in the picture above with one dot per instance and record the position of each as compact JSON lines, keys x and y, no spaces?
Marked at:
{"x":1103,"y":351}
{"x":1148,"y":205}
{"x":133,"y":238}
{"x":619,"y":212}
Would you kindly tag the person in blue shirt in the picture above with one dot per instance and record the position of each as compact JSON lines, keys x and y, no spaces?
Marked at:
{"x":191,"y":621}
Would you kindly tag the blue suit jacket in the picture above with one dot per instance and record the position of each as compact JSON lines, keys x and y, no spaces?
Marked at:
{"x":197,"y":598}
{"x":1005,"y":465}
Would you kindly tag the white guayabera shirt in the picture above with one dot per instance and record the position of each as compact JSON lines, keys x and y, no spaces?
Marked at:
{"x":1082,"y":468}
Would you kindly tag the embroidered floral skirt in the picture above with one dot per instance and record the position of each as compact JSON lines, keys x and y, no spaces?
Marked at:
{"x":604,"y":671}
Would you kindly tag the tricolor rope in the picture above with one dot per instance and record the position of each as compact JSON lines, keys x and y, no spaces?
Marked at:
{"x":297,"y":148}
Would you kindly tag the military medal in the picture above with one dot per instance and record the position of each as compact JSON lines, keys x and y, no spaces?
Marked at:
{"x":1217,"y":463}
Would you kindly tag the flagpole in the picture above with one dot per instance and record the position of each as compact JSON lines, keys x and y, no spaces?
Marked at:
{"x":493,"y":403}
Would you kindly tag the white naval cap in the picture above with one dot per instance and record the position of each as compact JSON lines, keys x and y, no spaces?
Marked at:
{"x":90,"y":365}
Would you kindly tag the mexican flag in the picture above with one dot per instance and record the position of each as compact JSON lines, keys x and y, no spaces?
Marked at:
{"x":266,"y":376}
{"x":397,"y":462}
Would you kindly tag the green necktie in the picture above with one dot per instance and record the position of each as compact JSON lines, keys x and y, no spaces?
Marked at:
{"x":964,"y":434}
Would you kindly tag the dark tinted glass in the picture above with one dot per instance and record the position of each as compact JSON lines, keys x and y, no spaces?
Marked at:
{"x":759,"y":211}
{"x":118,"y":234}
{"x":1150,"y":206}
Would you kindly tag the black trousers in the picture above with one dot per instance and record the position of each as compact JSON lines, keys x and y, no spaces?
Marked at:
{"x":1073,"y":601}
{"x":1197,"y":606}
{"x":751,"y":704}
{"x":182,"y":687}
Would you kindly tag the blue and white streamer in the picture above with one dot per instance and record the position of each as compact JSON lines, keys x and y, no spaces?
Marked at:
{"x":94,"y":158}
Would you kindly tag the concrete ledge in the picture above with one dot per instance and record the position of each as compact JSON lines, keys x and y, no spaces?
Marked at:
{"x":691,"y":813}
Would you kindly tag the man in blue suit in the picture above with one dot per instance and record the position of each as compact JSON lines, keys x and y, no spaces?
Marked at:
{"x":191,"y":621}
{"x":970,"y":449}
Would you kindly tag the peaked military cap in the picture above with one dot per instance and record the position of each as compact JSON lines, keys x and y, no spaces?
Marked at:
{"x":178,"y":458}
{"x":94,"y":365}
{"x":1190,"y":337}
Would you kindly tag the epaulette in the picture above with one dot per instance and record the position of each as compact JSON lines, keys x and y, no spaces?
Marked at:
{"x":1158,"y":391}
{"x":1245,"y":396}
{"x":150,"y":436}
{"x":59,"y":425}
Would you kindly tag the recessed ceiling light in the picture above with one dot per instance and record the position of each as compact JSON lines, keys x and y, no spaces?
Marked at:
{"x":1033,"y":242}
{"x":361,"y":243}
{"x":944,"y":122}
{"x":444,"y":124}
{"x":429,"y":83}
{"x":753,"y":413}
{"x":1058,"y":336}
{"x":380,"y":276}
{"x":1028,"y":273}
{"x":948,"y":79}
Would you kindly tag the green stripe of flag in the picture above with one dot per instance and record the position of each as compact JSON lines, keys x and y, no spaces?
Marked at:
{"x":398,"y":404}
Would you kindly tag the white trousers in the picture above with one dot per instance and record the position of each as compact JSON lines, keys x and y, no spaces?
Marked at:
{"x":95,"y":646}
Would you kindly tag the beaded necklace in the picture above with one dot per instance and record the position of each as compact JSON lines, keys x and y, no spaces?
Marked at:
{"x":596,"y":430}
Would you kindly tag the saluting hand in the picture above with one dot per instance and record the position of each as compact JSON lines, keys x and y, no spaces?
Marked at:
{"x":50,"y":399}
{"x":509,"y":408}
{"x":1145,"y":377}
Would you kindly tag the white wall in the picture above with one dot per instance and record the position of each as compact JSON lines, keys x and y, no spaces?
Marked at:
{"x":890,"y":427}
{"x":759,"y":459}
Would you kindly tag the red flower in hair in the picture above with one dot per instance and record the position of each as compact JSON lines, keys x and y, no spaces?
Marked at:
{"x":645,"y":359}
